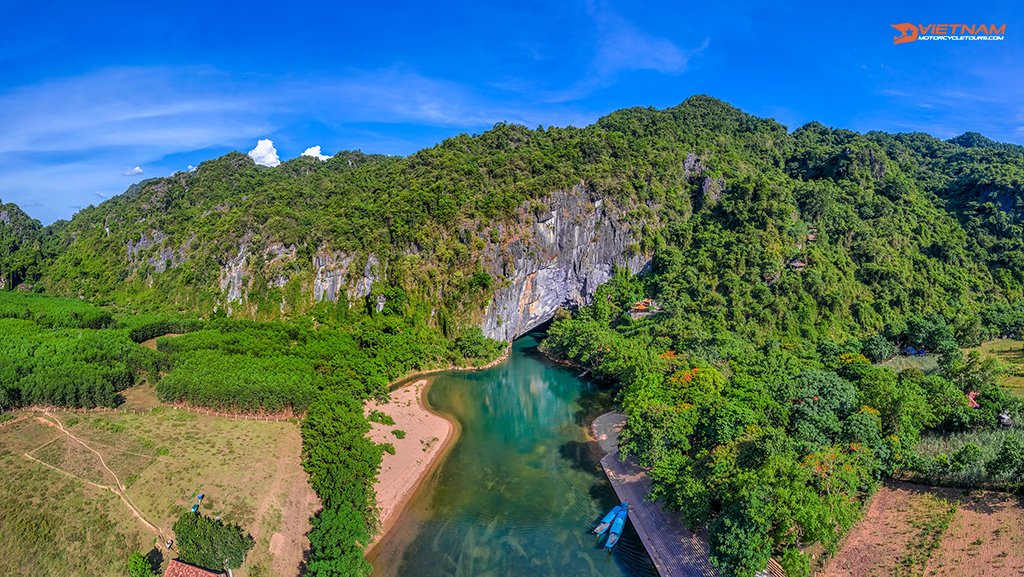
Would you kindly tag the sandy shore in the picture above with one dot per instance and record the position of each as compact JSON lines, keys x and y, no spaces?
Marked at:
{"x":428,"y":436}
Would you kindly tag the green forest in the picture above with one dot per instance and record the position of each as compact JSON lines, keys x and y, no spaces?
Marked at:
{"x":787,"y":267}
{"x":774,"y":447}
{"x":67,"y":353}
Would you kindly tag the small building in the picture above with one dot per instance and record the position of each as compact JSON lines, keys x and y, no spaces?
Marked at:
{"x":181,"y":569}
{"x":643,"y":308}
{"x":797,"y":264}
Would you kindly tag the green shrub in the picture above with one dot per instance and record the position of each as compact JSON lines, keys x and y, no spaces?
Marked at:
{"x":210,"y":543}
{"x":381,"y":417}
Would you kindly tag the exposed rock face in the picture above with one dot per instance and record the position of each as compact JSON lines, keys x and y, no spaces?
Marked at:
{"x":556,"y":259}
{"x":552,"y":254}
{"x":165,"y":256}
{"x":332,"y":276}
{"x":372,"y":273}
{"x":233,"y":275}
{"x":330,"y":272}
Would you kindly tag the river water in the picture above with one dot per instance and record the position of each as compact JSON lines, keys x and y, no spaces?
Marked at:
{"x":520,"y":489}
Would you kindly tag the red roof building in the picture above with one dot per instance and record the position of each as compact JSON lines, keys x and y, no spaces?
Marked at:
{"x":181,"y":569}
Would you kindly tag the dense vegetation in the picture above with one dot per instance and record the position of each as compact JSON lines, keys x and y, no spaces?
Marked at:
{"x":52,"y":354}
{"x":885,"y":224}
{"x":210,"y":543}
{"x":785,"y":264}
{"x":773,"y":447}
{"x":24,"y":246}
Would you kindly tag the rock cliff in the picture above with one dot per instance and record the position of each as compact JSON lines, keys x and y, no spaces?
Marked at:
{"x":555,"y":258}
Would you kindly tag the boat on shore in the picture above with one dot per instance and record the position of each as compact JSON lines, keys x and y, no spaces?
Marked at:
{"x":606,"y":522}
{"x":615,"y":532}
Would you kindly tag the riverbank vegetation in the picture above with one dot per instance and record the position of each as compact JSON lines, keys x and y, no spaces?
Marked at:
{"x":784,"y":264}
{"x":773,"y":446}
{"x":61,"y":352}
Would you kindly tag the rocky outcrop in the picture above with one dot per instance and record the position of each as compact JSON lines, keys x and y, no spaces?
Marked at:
{"x":332,"y":277}
{"x":330,"y":272}
{"x":555,"y":257}
{"x":233,"y":275}
{"x":162,"y":258}
{"x":372,"y":272}
{"x":552,"y":253}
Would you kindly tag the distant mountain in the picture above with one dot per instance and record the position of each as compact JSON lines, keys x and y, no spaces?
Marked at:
{"x":21,"y":238}
{"x":763,"y":228}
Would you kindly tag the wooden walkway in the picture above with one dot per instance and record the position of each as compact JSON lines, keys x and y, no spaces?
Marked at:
{"x":675,"y":550}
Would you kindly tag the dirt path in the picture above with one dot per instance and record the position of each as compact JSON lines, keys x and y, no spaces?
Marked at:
{"x":291,"y":494}
{"x":151,"y":343}
{"x":119,"y":489}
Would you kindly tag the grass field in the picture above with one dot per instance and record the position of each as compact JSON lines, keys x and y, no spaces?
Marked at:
{"x":927,"y":363}
{"x":1011,"y":354}
{"x":61,"y":513}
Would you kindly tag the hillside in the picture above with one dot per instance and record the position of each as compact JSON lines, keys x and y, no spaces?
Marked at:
{"x":500,"y":229}
{"x":780,"y":265}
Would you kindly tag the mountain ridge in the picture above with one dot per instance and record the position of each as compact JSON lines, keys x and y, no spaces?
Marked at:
{"x":438,"y":234}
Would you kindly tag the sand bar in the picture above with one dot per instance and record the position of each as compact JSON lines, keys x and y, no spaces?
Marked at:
{"x":428,"y":435}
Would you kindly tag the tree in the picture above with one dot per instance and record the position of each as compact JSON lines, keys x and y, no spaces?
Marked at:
{"x":877,"y":348}
{"x":210,"y":543}
{"x":739,"y":539}
{"x":139,"y":566}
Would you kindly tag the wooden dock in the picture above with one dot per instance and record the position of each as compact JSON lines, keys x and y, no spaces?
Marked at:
{"x":674,"y":549}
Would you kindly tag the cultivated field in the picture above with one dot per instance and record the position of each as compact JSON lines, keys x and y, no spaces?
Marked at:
{"x":910,"y":530}
{"x":81,"y":491}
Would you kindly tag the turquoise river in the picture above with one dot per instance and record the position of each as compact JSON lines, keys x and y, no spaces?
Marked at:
{"x":521,"y":487}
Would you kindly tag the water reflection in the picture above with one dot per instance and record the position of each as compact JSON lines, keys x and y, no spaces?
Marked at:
{"x":520,"y":488}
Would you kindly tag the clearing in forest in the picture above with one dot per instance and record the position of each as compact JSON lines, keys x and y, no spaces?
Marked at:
{"x":1011,"y":354}
{"x":912,"y":530}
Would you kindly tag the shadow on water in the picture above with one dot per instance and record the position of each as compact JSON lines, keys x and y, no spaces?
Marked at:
{"x":522,"y":488}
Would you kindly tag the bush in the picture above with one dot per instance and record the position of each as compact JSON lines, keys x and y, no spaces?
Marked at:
{"x":139,"y":566}
{"x":381,"y":417}
{"x":877,"y":349}
{"x":795,"y":563}
{"x":209,"y":543}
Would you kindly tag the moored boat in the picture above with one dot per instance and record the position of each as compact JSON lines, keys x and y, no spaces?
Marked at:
{"x":606,"y":522}
{"x":617,"y":525}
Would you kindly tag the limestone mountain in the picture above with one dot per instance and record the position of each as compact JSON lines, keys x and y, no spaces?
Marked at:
{"x":815,"y":230}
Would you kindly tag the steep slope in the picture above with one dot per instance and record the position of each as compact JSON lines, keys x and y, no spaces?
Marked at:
{"x":21,"y":238}
{"x":822,"y":230}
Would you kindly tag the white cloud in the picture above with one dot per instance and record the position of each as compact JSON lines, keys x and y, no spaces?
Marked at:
{"x":82,"y":126}
{"x":314,"y":151}
{"x":265,"y":154}
{"x":191,"y":168}
{"x":133,"y":171}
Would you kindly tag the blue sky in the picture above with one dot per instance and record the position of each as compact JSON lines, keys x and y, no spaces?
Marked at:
{"x":96,"y":96}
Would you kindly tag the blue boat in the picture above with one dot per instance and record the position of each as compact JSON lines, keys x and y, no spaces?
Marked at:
{"x":617,"y":526}
{"x":606,"y":522}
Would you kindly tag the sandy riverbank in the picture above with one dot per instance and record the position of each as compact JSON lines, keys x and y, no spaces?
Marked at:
{"x":428,"y":436}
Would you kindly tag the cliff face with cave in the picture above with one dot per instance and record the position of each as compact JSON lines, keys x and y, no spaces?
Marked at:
{"x":556,"y":258}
